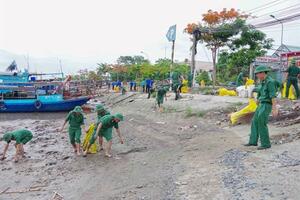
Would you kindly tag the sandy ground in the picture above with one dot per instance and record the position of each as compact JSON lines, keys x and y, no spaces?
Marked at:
{"x":165,"y":156}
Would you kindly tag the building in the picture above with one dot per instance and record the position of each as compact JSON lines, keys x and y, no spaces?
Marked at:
{"x":285,"y":49}
{"x":201,"y":65}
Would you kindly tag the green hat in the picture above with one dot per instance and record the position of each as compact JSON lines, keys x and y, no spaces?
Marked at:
{"x":78,"y":109}
{"x":99,"y":107}
{"x":119,"y":116}
{"x":261,"y":68}
{"x":7,"y":137}
{"x":293,"y":61}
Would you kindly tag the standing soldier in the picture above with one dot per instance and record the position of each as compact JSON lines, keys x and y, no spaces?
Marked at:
{"x":21,"y":137}
{"x":267,"y":103}
{"x":241,"y":79}
{"x":176,"y":84}
{"x":104,"y":129}
{"x":292,"y":79}
{"x":76,"y":120}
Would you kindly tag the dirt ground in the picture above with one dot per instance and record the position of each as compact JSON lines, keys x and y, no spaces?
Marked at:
{"x":187,"y":152}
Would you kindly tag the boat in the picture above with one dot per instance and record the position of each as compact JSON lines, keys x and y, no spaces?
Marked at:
{"x":36,"y":97}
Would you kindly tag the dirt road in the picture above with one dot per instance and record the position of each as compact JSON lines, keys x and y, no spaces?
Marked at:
{"x":166,"y":156}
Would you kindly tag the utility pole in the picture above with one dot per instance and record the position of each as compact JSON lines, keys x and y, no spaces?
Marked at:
{"x":193,"y":60}
{"x":281,"y":43}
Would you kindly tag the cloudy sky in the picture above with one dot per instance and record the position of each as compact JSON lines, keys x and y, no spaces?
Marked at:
{"x":84,"y":32}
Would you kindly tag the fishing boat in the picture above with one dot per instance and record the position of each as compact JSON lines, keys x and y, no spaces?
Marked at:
{"x":36,"y":97}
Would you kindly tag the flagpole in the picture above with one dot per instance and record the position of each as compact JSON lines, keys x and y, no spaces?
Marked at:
{"x":172,"y":59}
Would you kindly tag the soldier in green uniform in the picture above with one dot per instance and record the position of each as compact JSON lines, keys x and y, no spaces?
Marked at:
{"x":176,"y":84}
{"x":101,"y":112}
{"x":292,"y":79}
{"x":76,"y":120}
{"x":240,"y":80}
{"x":104,"y":129}
{"x":267,"y":103}
{"x":161,"y":94}
{"x":21,"y":137}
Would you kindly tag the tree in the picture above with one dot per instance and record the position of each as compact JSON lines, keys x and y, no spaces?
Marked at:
{"x":12,"y":67}
{"x":131,"y":60}
{"x":216,"y":30}
{"x":203,"y":77}
{"x":242,"y":52}
{"x":92,"y":75}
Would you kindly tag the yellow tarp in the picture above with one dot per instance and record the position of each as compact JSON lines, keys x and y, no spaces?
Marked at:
{"x":248,"y":109}
{"x":292,"y":95}
{"x":225,"y":92}
{"x":87,"y":137}
{"x":249,"y":82}
{"x":184,"y":88}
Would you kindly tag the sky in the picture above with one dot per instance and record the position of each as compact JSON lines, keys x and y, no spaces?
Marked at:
{"x":82,"y":33}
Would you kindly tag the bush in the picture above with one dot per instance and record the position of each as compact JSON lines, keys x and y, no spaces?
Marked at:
{"x":203,"y":76}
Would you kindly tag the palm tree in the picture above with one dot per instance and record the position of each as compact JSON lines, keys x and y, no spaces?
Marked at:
{"x":12,"y":67}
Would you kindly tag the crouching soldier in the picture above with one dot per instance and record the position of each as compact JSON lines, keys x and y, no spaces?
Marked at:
{"x":161,"y":94}
{"x":76,"y":120}
{"x":101,"y":112}
{"x":21,"y":137}
{"x":104,"y":129}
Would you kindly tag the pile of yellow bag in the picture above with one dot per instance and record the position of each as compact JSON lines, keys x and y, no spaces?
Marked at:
{"x":225,"y":92}
{"x":185,"y":88}
{"x":86,"y":140}
{"x":234,"y":117}
{"x":292,"y":95}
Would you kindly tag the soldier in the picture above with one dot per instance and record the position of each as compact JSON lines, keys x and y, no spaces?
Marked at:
{"x":267,"y":103}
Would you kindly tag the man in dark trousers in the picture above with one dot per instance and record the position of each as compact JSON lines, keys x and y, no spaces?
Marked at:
{"x":292,"y":78}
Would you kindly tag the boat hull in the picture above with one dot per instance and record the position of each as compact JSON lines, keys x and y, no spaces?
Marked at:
{"x":33,"y":105}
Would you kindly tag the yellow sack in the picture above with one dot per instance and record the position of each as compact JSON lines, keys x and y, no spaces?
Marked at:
{"x":292,"y":95}
{"x":249,"y":82}
{"x":117,"y":89}
{"x":184,"y":88}
{"x":225,"y":92}
{"x":202,"y":84}
{"x":86,"y":140}
{"x":234,"y":117}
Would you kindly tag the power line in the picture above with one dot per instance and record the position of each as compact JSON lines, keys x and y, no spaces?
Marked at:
{"x":281,"y":20}
{"x":268,"y":6}
{"x":281,"y":13}
{"x":258,"y":7}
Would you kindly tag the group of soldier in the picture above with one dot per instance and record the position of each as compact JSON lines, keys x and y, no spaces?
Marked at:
{"x":266,"y":100}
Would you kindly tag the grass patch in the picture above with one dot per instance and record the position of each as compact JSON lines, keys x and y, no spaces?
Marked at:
{"x":233,"y":107}
{"x":189,"y":112}
{"x":169,"y":109}
{"x":206,"y":91}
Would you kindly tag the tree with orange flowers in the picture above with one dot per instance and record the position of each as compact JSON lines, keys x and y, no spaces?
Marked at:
{"x":215,"y":31}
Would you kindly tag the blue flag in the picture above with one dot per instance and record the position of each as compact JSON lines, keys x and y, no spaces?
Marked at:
{"x":171,"y":35}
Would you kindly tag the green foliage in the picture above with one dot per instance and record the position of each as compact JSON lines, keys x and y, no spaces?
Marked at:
{"x":102,"y":69}
{"x":242,"y":52}
{"x":131,"y":60}
{"x":140,"y":71}
{"x":203,"y":76}
{"x":189,"y":112}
